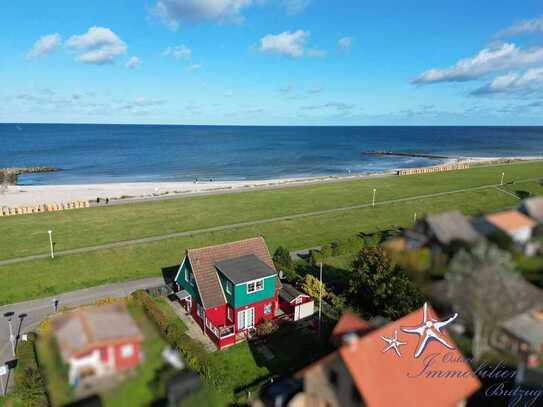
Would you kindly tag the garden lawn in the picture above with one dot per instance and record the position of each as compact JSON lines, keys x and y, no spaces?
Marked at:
{"x":46,"y":277}
{"x":27,"y":235}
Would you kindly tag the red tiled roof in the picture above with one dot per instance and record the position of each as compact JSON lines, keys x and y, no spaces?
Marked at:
{"x":510,"y":220}
{"x":203,"y":261}
{"x":386,"y":379}
{"x":349,"y":323}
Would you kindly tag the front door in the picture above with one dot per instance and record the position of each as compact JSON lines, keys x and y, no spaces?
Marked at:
{"x":246,"y":319}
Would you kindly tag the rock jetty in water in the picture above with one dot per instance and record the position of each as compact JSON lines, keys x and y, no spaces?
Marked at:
{"x":9,"y":175}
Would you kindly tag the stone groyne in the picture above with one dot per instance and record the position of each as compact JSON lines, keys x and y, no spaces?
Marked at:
{"x":9,"y":175}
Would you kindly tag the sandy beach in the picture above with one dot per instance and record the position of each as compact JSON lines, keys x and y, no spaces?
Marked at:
{"x":29,"y":195}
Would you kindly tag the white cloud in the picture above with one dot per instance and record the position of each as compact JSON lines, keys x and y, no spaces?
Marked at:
{"x":295,"y":6}
{"x":498,"y":58}
{"x":178,"y":52}
{"x":44,"y":46}
{"x":345,"y":43}
{"x":172,"y":12}
{"x":523,"y":27}
{"x":193,"y":67}
{"x":286,"y":43}
{"x":98,"y":45}
{"x":510,"y":83}
{"x":133,"y":63}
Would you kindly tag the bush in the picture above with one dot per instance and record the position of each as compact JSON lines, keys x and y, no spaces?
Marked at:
{"x":347,"y":246}
{"x":312,"y":287}
{"x":196,"y":356}
{"x":30,"y":385}
{"x":266,"y":327}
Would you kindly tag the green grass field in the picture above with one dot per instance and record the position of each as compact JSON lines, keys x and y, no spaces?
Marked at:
{"x":26,"y":235}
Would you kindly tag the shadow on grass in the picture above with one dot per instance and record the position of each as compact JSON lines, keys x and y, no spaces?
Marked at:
{"x":169,"y":273}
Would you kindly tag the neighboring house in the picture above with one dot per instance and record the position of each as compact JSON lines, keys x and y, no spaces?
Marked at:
{"x":294,"y":303}
{"x":229,"y":288}
{"x":533,"y":207}
{"x":98,"y":340}
{"x":441,"y":229}
{"x":516,"y":225}
{"x":363,"y":372}
{"x":522,"y":336}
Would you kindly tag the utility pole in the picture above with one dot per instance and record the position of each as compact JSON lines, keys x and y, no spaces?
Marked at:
{"x":51,"y":243}
{"x":9,"y":315}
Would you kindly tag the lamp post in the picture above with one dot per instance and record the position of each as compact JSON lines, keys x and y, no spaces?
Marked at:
{"x":503,"y":174}
{"x":9,"y":315}
{"x":51,"y":243}
{"x":373,"y":199}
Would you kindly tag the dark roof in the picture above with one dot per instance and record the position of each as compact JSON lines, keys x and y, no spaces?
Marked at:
{"x":244,"y":268}
{"x":288,"y":292}
{"x":533,"y":207}
{"x":449,"y":226}
{"x":527,"y":326}
{"x":203,"y":262}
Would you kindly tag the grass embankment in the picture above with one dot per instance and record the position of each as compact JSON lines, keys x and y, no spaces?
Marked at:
{"x":24,"y":235}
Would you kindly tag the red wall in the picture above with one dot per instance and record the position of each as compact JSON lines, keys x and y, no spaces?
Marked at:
{"x":125,"y":363}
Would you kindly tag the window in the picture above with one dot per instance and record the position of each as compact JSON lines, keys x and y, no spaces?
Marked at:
{"x":186,"y":274}
{"x":229,"y":314}
{"x":127,"y":351}
{"x":200,"y":311}
{"x":228,"y":287}
{"x":191,"y":278}
{"x":255,"y":286}
{"x":268,"y":308}
{"x":299,"y":300}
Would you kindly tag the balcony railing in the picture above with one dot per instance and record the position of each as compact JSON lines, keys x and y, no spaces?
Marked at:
{"x":220,"y":332}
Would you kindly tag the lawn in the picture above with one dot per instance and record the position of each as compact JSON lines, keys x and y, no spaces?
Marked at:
{"x":27,"y":235}
{"x":65,"y":273}
{"x":140,"y":388}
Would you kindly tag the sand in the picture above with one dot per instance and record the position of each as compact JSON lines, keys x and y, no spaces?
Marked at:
{"x":31,"y":195}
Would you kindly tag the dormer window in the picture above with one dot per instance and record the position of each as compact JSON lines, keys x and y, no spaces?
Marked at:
{"x":255,"y":286}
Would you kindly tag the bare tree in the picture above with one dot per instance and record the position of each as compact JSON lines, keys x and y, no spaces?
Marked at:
{"x":485,"y":290}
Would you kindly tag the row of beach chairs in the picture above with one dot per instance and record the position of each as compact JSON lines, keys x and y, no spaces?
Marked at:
{"x":52,"y":207}
{"x":427,"y":170}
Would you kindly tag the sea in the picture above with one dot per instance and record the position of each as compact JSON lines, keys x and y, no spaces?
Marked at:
{"x":89,"y":153}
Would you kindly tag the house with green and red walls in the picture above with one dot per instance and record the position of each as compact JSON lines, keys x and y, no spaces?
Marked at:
{"x":229,"y":288}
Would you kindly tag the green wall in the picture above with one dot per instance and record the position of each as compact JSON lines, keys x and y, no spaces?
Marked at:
{"x":185,"y":285}
{"x":241,"y":297}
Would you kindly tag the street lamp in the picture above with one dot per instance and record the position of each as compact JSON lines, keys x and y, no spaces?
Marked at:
{"x":503,"y":174}
{"x":373,"y":199}
{"x":51,"y":243}
{"x":9,"y":315}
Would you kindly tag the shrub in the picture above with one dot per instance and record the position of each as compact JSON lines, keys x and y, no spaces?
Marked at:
{"x":266,"y":327}
{"x":30,"y":385}
{"x":312,"y":286}
{"x":196,"y":356}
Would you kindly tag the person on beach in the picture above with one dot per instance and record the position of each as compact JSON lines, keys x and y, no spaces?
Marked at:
{"x":107,"y":201}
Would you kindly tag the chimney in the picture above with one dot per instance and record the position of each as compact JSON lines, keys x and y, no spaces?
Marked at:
{"x":350,"y":339}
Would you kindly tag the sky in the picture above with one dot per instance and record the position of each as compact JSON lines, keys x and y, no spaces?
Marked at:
{"x":272,"y":62}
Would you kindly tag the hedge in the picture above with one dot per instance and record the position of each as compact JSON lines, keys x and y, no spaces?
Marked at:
{"x":196,"y":356}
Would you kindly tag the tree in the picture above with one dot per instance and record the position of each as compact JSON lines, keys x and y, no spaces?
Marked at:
{"x":378,"y":287}
{"x":282,"y":259}
{"x":312,"y":287}
{"x":485,"y":290}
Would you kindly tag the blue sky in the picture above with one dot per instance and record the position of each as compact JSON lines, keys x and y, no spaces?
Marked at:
{"x":272,"y":62}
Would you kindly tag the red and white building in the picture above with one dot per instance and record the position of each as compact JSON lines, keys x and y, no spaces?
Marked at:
{"x":98,"y":340}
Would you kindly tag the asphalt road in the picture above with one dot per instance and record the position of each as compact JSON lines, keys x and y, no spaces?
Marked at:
{"x":29,"y":314}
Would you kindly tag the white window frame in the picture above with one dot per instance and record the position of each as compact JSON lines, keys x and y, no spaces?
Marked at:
{"x":127,"y":350}
{"x":254,"y":283}
{"x":228,"y":287}
{"x":200,"y":311}
{"x":187,"y":274}
{"x":229,"y":314}
{"x":247,"y":322}
{"x":298,"y":300}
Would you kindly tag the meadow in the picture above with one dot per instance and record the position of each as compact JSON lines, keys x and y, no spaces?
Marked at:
{"x":27,"y":235}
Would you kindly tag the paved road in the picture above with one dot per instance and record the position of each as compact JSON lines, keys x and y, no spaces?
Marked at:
{"x":246,"y":224}
{"x":37,"y":310}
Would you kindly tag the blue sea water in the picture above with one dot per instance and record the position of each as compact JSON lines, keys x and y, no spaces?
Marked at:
{"x":90,"y":153}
